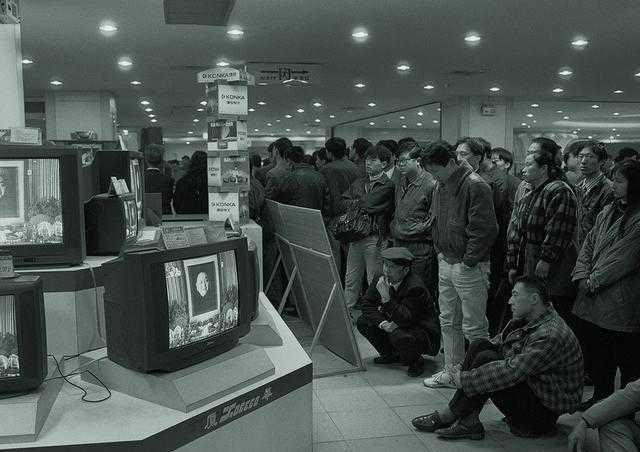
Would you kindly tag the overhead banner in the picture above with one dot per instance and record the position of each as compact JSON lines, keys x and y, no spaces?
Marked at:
{"x":278,"y":73}
{"x":232,"y":100}
{"x":222,"y":74}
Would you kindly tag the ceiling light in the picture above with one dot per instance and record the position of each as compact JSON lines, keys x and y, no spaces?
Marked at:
{"x":55,"y":82}
{"x":288,"y":130}
{"x":419,"y":124}
{"x":288,"y":116}
{"x":277,"y":120}
{"x":108,"y":27}
{"x":595,"y":106}
{"x":618,"y":91}
{"x":403,"y":67}
{"x":420,"y":113}
{"x":372,"y":123}
{"x":262,"y":83}
{"x":494,"y":89}
{"x":188,"y":142}
{"x":27,"y":61}
{"x":145,"y":102}
{"x":203,"y":103}
{"x":616,"y":114}
{"x":262,"y":103}
{"x":435,"y":121}
{"x":196,"y":120}
{"x":316,"y":120}
{"x":529,"y":115}
{"x":148,"y":109}
{"x":371,"y":104}
{"x":252,"y":110}
{"x":558,"y":90}
{"x":523,"y":124}
{"x":559,"y":111}
{"x":269,"y":124}
{"x":190,"y":132}
{"x":360,"y":34}
{"x":235,"y":32}
{"x":637,"y":74}
{"x":332,"y":116}
{"x":404,"y":126}
{"x":317,"y":104}
{"x":565,"y":72}
{"x":428,"y":87}
{"x":590,"y":137}
{"x":200,"y":109}
{"x":308,"y":132}
{"x":579,"y":43}
{"x":402,"y":117}
{"x":135,"y":82}
{"x":125,"y":62}
{"x":535,"y":105}
{"x":565,"y":117}
{"x":223,"y":63}
{"x":575,"y":132}
{"x":300,"y":110}
{"x":152,"y":115}
{"x":256,"y":130}
{"x":473,"y":38}
{"x":154,"y":120}
{"x":534,"y":121}
{"x":359,"y":85}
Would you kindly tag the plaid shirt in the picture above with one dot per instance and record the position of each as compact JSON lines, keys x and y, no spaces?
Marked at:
{"x":544,"y":353}
{"x":547,"y":217}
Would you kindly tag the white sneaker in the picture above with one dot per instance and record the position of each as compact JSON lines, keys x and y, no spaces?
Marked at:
{"x":440,"y":379}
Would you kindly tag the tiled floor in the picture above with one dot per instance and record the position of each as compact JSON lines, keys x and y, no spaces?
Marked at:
{"x":371,"y":411}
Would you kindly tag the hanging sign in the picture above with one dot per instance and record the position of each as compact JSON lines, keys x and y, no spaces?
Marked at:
{"x":279,"y":73}
{"x":222,"y":75}
{"x":232,"y":100}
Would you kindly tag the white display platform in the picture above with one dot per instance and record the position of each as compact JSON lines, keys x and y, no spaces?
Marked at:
{"x":273,"y":414}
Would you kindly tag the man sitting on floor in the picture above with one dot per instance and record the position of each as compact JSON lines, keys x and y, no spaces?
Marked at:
{"x":532,"y":372}
{"x":398,"y":314}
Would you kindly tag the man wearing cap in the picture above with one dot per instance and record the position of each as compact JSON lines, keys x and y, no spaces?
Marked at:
{"x":398,"y":315}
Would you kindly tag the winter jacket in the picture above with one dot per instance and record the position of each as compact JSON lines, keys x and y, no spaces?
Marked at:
{"x":413,"y":201}
{"x":304,"y":187}
{"x":191,"y":194}
{"x":339,"y":175}
{"x":376,"y":198}
{"x":591,"y":202}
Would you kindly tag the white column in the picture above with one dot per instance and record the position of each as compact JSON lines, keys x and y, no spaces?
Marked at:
{"x":11,"y":87}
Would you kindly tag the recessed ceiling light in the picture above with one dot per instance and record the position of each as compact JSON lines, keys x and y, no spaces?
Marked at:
{"x":558,"y":90}
{"x":575,"y":132}
{"x":523,"y":124}
{"x":590,"y":137}
{"x":618,"y":91}
{"x":403,"y":67}
{"x":203,"y":103}
{"x":404,"y":126}
{"x":534,"y":121}
{"x":332,"y":116}
{"x":148,"y":109}
{"x":317,"y":104}
{"x":262,"y":83}
{"x":108,"y":27}
{"x":419,"y":124}
{"x":529,"y":126}
{"x":288,"y":116}
{"x":154,"y":120}
{"x":235,"y":32}
{"x":559,"y":111}
{"x":637,"y":74}
{"x":125,"y":62}
{"x":565,"y":72}
{"x":252,"y":110}
{"x":223,"y":63}
{"x":435,"y":121}
{"x":277,"y":120}
{"x":473,"y":38}
{"x":403,"y":117}
{"x":190,"y":132}
{"x":595,"y":106}
{"x":420,"y":113}
{"x":145,"y":102}
{"x":360,"y":34}
{"x":316,"y":120}
{"x":200,"y":109}
{"x":616,"y":114}
{"x":308,"y":132}
{"x":439,"y":109}
{"x":262,"y":103}
{"x":359,"y":85}
{"x":55,"y":82}
{"x":371,"y":123}
{"x":371,"y":104}
{"x":188,"y":142}
{"x":580,"y":43}
{"x":565,"y":117}
{"x":535,"y":105}
{"x":300,"y":110}
{"x":269,"y":124}
{"x":529,"y":115}
{"x":196,"y":120}
{"x":27,"y":61}
{"x":494,"y":89}
{"x":288,"y":130}
{"x":428,"y":87}
{"x":256,"y":130}
{"x":135,"y":82}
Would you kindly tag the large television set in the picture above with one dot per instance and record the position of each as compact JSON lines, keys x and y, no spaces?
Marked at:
{"x":111,"y":223}
{"x":41,"y":205}
{"x":23,"y":339}
{"x":127,"y":165}
{"x":166,"y":310}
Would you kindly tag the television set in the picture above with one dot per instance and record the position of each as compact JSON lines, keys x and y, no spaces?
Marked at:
{"x":23,"y":339}
{"x":41,"y":205}
{"x":166,"y":310}
{"x":127,"y":165}
{"x":111,"y":223}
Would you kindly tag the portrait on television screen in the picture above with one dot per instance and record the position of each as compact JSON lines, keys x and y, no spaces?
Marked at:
{"x":11,"y":192}
{"x":202,"y":287}
{"x":9,"y":358}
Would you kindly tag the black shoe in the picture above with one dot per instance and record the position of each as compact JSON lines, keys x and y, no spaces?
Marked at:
{"x":461,"y":431}
{"x":416,"y":368}
{"x":429,"y":422}
{"x":387,"y":359}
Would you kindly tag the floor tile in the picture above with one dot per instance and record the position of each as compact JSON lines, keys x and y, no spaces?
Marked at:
{"x":369,"y":424}
{"x":413,"y":393}
{"x":337,"y":446}
{"x":341,"y":381}
{"x":317,"y":405}
{"x":408,"y":443}
{"x":324,"y":430}
{"x":350,"y":399}
{"x":435,"y":444}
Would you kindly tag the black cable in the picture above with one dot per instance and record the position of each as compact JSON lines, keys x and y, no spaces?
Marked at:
{"x":85,"y":393}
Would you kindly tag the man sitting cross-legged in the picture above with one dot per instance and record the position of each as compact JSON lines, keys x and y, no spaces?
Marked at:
{"x":398,"y":314}
{"x":532,"y":372}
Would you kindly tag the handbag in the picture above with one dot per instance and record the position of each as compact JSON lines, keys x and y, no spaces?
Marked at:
{"x":351,"y":226}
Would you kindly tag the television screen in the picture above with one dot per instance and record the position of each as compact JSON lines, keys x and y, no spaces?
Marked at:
{"x":131,"y":218}
{"x":30,"y":202}
{"x":9,"y":357}
{"x":137,"y":187}
{"x":202,"y":294}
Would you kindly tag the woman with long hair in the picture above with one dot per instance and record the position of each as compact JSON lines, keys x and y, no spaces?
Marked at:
{"x":191,"y":190}
{"x":608,"y":276}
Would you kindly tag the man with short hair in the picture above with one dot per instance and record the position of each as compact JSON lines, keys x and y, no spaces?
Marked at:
{"x":390,"y":169}
{"x":626,"y":154}
{"x":398,"y":315}
{"x":277,"y":174}
{"x":358,"y":149}
{"x":155,"y":181}
{"x":532,"y":372}
{"x":410,"y":227}
{"x":503,"y":161}
{"x":303,"y":186}
{"x":261,"y":172}
{"x":463,"y":228}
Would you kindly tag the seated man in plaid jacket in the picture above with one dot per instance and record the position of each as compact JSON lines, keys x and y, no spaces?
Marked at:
{"x":532,"y":372}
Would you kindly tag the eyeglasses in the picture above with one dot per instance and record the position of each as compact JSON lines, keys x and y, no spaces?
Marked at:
{"x":403,"y":162}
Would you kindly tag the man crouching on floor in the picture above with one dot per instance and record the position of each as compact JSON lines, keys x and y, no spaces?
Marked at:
{"x":532,"y":371}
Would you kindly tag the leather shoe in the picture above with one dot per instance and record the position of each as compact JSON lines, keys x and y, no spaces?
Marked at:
{"x":429,"y":422}
{"x":416,"y":368}
{"x":387,"y":359}
{"x":461,"y":431}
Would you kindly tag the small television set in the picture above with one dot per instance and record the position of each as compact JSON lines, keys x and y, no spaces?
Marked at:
{"x":111,"y":223}
{"x":127,"y":165}
{"x":41,"y":205}
{"x":23,"y":340}
{"x":166,"y":310}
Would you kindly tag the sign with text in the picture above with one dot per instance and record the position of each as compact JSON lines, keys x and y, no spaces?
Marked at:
{"x":277,"y":73}
{"x":229,"y":173}
{"x":226,"y":134}
{"x":222,"y":75}
{"x":228,"y":205}
{"x":232,"y":100}
{"x":175,"y":237}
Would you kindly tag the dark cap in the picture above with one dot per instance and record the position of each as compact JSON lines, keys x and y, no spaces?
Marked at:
{"x":398,"y":255}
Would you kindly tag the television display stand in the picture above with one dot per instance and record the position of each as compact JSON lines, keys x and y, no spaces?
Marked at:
{"x":24,"y":415}
{"x":186,"y":389}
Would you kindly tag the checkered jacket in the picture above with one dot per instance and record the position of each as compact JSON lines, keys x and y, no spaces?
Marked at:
{"x":546,"y":217}
{"x":543,"y":353}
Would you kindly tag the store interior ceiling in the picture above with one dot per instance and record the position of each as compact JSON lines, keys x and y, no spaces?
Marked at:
{"x":523,"y":49}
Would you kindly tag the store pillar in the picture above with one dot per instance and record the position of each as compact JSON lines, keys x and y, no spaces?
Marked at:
{"x":11,"y":87}
{"x":71,"y":111}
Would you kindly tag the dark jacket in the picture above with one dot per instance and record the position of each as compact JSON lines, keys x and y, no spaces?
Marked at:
{"x":591,"y":203}
{"x":191,"y":194}
{"x":157,"y":182}
{"x":339,"y":175}
{"x":410,"y":307}
{"x":261,"y":173}
{"x":304,"y":187}
{"x":256,"y":200}
{"x":275,"y":178}
{"x":376,"y":198}
{"x":464,"y":220}
{"x":413,"y":202}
